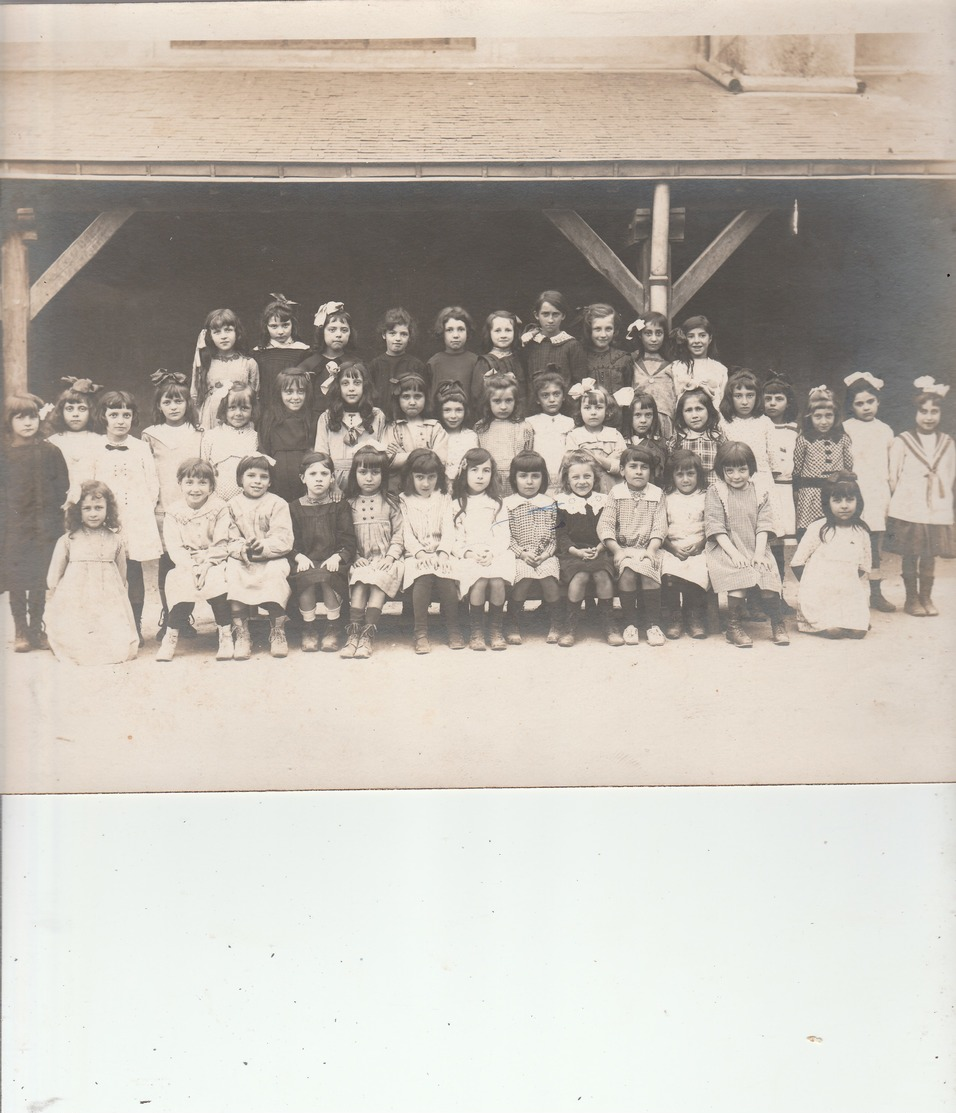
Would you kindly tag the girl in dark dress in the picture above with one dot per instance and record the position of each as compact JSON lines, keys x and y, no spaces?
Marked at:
{"x":287,"y":431}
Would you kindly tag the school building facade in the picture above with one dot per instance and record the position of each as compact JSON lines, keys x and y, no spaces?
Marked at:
{"x":796,"y":189}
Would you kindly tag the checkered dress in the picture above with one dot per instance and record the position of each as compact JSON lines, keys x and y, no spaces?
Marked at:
{"x":813,"y":461}
{"x":704,"y":444}
{"x":633,"y":519}
{"x":533,"y":524}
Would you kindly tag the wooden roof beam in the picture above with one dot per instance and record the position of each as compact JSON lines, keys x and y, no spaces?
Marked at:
{"x":76,"y":256}
{"x":714,"y":255}
{"x":574,"y":228}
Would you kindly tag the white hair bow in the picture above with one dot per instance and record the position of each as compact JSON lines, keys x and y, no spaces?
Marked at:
{"x":874,"y":382}
{"x":45,"y":411}
{"x":581,"y":388}
{"x":268,"y":459}
{"x":635,"y":327}
{"x":624,"y":396}
{"x":928,"y":385}
{"x":332,"y":369}
{"x":323,"y":313}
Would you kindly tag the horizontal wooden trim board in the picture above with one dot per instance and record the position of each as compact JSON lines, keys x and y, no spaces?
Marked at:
{"x":473,"y":171}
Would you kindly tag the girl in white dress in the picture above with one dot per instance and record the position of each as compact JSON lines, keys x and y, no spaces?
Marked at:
{"x":72,"y":419}
{"x":832,"y":563}
{"x":695,"y":363}
{"x":871,"y":439}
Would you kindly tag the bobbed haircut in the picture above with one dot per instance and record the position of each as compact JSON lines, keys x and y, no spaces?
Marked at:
{"x":91,"y":488}
{"x":310,"y":458}
{"x":743,"y":377}
{"x":114,"y":400}
{"x":552,"y":297}
{"x":734,"y":454}
{"x":21,"y":405}
{"x":395,"y":316}
{"x":638,"y":453}
{"x":195,"y":468}
{"x":453,"y":313}
{"x":254,"y":461}
{"x":370,"y":459}
{"x":423,"y":461}
{"x":505,"y":315}
{"x":683,"y":458}
{"x":529,"y":461}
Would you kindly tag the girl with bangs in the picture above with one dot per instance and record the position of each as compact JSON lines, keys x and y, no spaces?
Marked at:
{"x":607,"y":365}
{"x":287,"y":430}
{"x":72,"y":420}
{"x":219,"y":363}
{"x":279,"y":346}
{"x":351,"y":418}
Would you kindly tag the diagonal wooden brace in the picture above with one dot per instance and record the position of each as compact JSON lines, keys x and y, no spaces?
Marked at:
{"x":574,"y":228}
{"x":713,"y":257}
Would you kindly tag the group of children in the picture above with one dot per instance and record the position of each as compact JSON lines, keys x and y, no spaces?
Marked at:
{"x":293,"y":476}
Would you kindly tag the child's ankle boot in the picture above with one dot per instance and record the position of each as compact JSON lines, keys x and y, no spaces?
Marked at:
{"x":226,"y":648}
{"x":572,"y":613}
{"x":366,"y":638}
{"x":138,"y":619}
{"x":278,"y":644}
{"x":21,"y":635}
{"x":496,"y":617}
{"x":422,"y":644}
{"x":926,"y":596}
{"x":352,"y":634}
{"x":913,"y":604}
{"x":477,"y":640}
{"x":671,"y":610}
{"x":612,"y":635}
{"x":167,"y":647}
{"x":877,"y":600}
{"x":695,"y":612}
{"x":733,"y":631}
{"x":242,"y":643}
{"x":557,"y":621}
{"x":778,"y":624}
{"x":332,"y":638}
{"x":513,"y":622}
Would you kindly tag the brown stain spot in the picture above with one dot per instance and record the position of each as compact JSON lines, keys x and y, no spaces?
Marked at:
{"x":814,"y":1039}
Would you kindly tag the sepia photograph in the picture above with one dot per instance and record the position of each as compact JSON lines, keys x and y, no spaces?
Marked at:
{"x":438,"y":395}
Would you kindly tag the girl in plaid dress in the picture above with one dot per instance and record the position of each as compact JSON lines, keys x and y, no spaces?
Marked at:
{"x":632,"y":527}
{"x":822,"y":448}
{"x":698,"y":428}
{"x":532,"y":519}
{"x":738,"y":520}
{"x":428,"y":534}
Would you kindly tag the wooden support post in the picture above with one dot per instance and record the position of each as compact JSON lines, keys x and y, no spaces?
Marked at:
{"x":713,"y":257}
{"x":76,"y":256}
{"x":15,"y":277}
{"x":598,"y":254}
{"x":659,"y":279}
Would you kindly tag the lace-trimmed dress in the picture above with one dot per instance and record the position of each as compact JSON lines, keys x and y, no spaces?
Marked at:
{"x":78,"y":450}
{"x":577,"y":528}
{"x":89,"y":620}
{"x":482,"y":524}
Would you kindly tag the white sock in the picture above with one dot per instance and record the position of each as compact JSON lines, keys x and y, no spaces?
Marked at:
{"x":307,"y":616}
{"x":332,"y":613}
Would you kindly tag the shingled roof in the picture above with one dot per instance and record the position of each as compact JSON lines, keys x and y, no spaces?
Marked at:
{"x":273,"y":123}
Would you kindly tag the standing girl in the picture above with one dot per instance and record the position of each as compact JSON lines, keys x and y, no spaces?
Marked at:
{"x":920,"y":523}
{"x":532,"y":521}
{"x":641,"y":425}
{"x":428,"y":535}
{"x":697,"y":428}
{"x":399,"y":331}
{"x":279,"y":345}
{"x":486,"y":565}
{"x":546,"y":342}
{"x":322,"y":551}
{"x":780,"y":405}
{"x":376,"y":573}
{"x":33,"y":487}
{"x":744,"y":420}
{"x":501,"y":429}
{"x":350,"y":420}
{"x":219,"y":363}
{"x":632,"y":528}
{"x":173,"y":437}
{"x":822,"y":448}
{"x":71,"y":418}
{"x":287,"y":430}
{"x":695,"y":364}
{"x":335,"y":340}
{"x":499,"y":337}
{"x":127,"y":467}
{"x":89,"y":619}
{"x":451,"y":403}
{"x":411,"y":426}
{"x":453,"y":327}
{"x":684,"y":577}
{"x":738,"y":523}
{"x":232,"y":439}
{"x":595,"y":421}
{"x":551,"y":425}
{"x":608,"y":366}
{"x":586,"y":566}
{"x":832,"y":563}
{"x":257,"y":571}
{"x":652,"y":373}
{"x":871,"y":440}
{"x":196,"y":536}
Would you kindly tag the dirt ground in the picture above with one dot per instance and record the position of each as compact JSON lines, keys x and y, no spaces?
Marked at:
{"x":690,"y":712}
